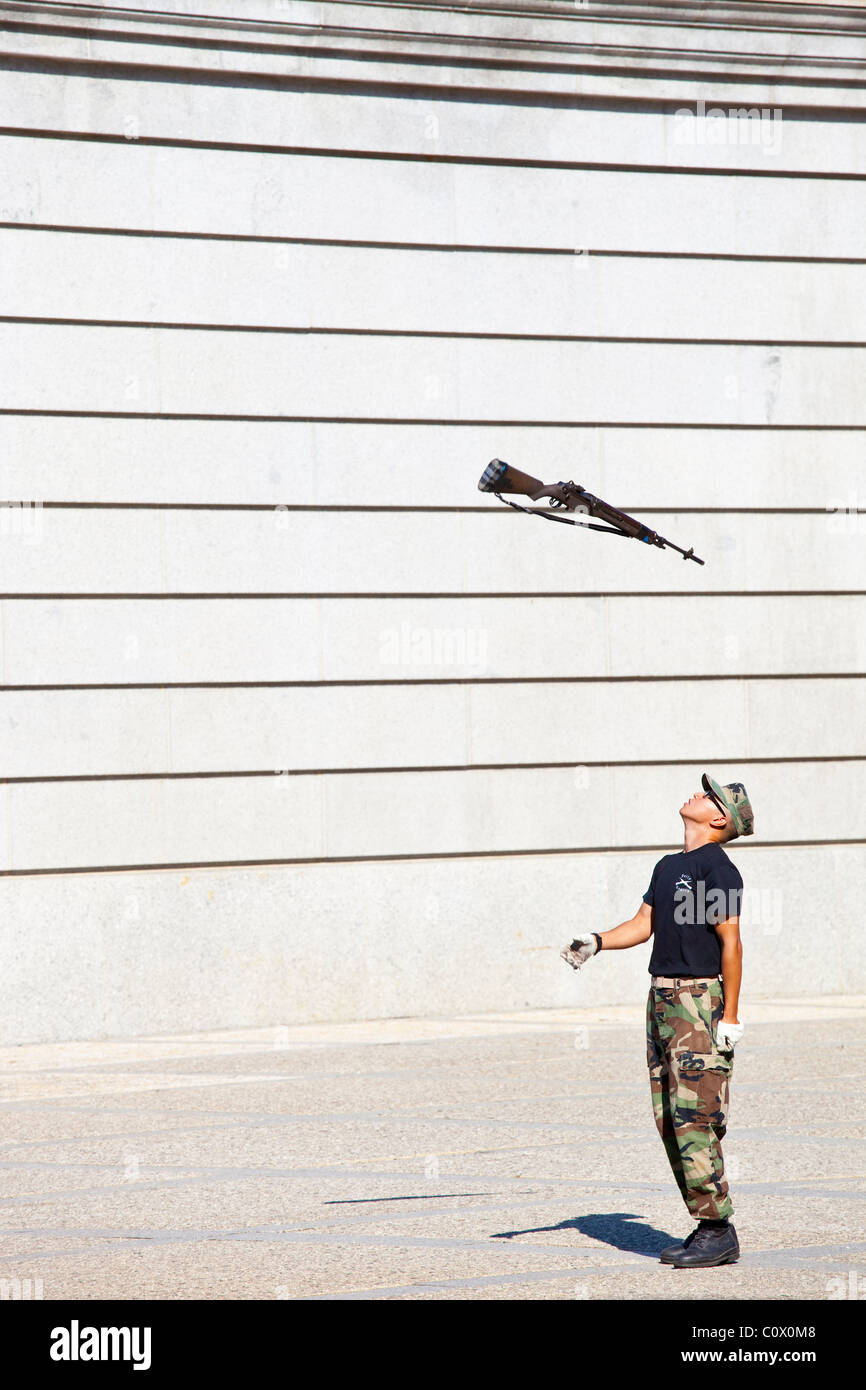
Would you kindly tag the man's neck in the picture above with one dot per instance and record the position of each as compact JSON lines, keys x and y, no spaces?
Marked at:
{"x":694,"y":836}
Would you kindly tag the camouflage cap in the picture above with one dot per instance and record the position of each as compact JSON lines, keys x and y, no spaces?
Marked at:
{"x":734,"y":797}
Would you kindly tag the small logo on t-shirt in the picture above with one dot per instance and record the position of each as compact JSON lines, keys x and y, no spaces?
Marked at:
{"x":704,"y":908}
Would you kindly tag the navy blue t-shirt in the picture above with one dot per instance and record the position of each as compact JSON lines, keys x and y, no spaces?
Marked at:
{"x":690,"y":893}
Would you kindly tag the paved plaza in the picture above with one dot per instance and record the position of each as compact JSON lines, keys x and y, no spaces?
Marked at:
{"x":495,"y":1156}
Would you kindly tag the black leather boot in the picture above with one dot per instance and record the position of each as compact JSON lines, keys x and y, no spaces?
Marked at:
{"x":667,"y":1255}
{"x":711,"y":1245}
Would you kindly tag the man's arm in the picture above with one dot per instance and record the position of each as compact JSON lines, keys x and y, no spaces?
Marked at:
{"x":639,"y":928}
{"x":732,"y":966}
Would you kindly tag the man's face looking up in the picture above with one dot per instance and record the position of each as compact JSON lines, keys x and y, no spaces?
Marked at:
{"x":704,"y":809}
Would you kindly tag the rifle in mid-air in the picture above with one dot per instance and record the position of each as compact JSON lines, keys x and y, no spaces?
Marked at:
{"x":499,"y":477}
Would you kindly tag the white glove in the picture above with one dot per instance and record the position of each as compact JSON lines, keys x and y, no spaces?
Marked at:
{"x":580,"y":950}
{"x":728,"y":1034}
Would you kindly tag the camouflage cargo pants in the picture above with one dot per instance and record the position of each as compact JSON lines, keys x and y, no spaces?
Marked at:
{"x":689,"y":1080}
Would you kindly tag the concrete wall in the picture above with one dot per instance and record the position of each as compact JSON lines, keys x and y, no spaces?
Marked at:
{"x":295,"y":724}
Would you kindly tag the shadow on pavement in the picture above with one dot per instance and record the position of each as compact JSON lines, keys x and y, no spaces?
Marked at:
{"x":425,"y":1197}
{"x":614,"y":1228}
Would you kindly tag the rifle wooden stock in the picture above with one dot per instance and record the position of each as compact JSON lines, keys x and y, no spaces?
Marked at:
{"x":499,"y":476}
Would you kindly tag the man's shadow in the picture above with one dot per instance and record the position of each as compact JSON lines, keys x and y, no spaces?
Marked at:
{"x":614,"y":1228}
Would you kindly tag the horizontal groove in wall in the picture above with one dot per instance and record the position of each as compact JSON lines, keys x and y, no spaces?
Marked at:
{"x":763,"y":18}
{"x":422,"y":157}
{"x":426,"y":767}
{"x":443,"y":594}
{"x":480,"y":510}
{"x":600,"y":60}
{"x":363,"y":51}
{"x":164,"y":325}
{"x":422,"y":420}
{"x":435,"y":680}
{"x":397,"y":858}
{"x":422,"y":246}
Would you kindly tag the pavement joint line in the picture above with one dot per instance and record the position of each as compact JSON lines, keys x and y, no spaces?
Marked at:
{"x":268,"y":1049}
{"x":518,"y":1020}
{"x":301,"y":1224}
{"x":445,"y":1122}
{"x":462,"y":1115}
{"x":744,"y":1133}
{"x":356,"y":1219}
{"x":350,"y":1075}
{"x":205,"y":1172}
{"x":641,"y":1134}
{"x":454,"y":1153}
{"x":212,"y":1176}
{"x":55,"y":1103}
{"x":255,"y":1119}
{"x":207,"y":1080}
{"x":437,"y":1286}
{"x":80,"y":1140}
{"x":129,"y":1068}
{"x":481,"y":1028}
{"x":164,"y":1065}
{"x":483,"y":1281}
{"x":202,"y":1172}
{"x":108,"y":1066}
{"x":173,"y":1081}
{"x":576,"y":1085}
{"x":409,"y":1117}
{"x":341,"y":1238}
{"x":308,"y":1224}
{"x":269,"y":1235}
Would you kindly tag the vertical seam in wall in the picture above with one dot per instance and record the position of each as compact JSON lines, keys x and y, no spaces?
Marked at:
{"x":320,"y":638}
{"x":611,"y":775}
{"x":7,"y":796}
{"x":157,"y":339}
{"x":163,"y":563}
{"x":305,"y":257}
{"x":169,"y":730}
{"x":458,"y":409}
{"x":453,"y":177}
{"x":605,"y":609}
{"x":610,"y":772}
{"x":314,"y":463}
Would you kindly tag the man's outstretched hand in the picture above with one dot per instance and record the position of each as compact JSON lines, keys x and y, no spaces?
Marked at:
{"x":580,"y":950}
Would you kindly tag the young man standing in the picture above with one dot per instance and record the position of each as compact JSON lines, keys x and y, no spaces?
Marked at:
{"x":692,"y":910}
